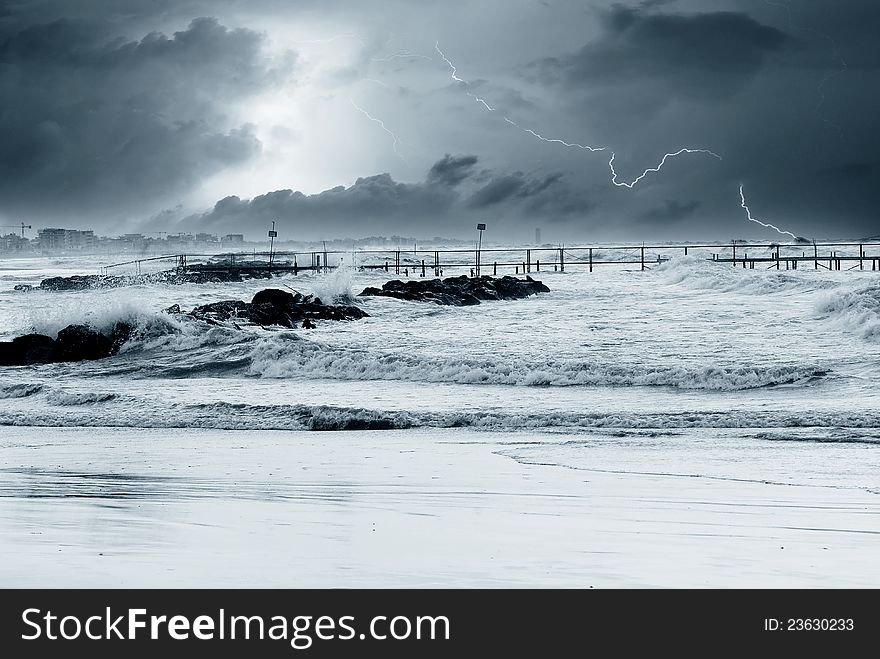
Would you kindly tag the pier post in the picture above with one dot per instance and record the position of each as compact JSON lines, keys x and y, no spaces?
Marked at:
{"x":495,"y":268}
{"x":591,"y":259}
{"x":528,"y":261}
{"x":397,"y":262}
{"x":734,"y":252}
{"x":538,"y":265}
{"x":643,"y":258}
{"x":423,"y":267}
{"x":815,"y":256}
{"x":561,"y":260}
{"x":861,"y":256}
{"x":685,"y":251}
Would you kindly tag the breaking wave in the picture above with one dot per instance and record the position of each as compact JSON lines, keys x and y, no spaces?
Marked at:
{"x":857,"y":311}
{"x":283,"y":359}
{"x":700,"y":274}
{"x":238,"y":416}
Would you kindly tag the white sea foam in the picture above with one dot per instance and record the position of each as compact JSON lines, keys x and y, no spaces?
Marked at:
{"x":699,"y":273}
{"x":857,"y":311}
{"x":274,"y":358}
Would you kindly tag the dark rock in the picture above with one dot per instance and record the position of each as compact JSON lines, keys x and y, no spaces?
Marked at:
{"x":459,"y":291}
{"x":273,"y":296}
{"x":273,"y":306}
{"x":173,"y":309}
{"x":223,"y":310}
{"x":120,"y":333}
{"x":79,"y":342}
{"x":27,"y":349}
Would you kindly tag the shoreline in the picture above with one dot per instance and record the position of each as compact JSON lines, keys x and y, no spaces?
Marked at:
{"x":114,"y":507}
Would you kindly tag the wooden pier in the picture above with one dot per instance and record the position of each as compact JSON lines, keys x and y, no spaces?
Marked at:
{"x":839,"y":256}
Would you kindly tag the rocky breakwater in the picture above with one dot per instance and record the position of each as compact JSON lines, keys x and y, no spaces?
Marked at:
{"x":459,"y":291}
{"x":269,"y":307}
{"x":272,"y":306}
{"x":74,"y":343}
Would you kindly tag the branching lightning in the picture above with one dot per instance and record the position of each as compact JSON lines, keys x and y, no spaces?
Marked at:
{"x":835,"y":54}
{"x":466,"y":85}
{"x":653,"y":169}
{"x":763,"y":224}
{"x":382,"y":125}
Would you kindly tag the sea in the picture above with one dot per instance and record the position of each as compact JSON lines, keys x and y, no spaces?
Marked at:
{"x":690,"y":369}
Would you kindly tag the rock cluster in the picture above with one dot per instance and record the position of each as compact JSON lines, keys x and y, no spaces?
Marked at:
{"x":74,"y":343}
{"x":459,"y":291}
{"x":272,"y":306}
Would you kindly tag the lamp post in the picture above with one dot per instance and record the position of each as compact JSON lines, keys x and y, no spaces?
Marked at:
{"x":481,"y":227}
{"x":272,"y":235}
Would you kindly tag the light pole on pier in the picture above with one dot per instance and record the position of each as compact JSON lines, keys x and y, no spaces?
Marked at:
{"x":272,"y":235}
{"x":481,"y":227}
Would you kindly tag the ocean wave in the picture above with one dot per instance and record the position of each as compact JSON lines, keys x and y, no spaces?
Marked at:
{"x":700,"y":274}
{"x":21,"y":390}
{"x":236,"y":416}
{"x":65,"y":398}
{"x":274,"y":359}
{"x":857,"y":311}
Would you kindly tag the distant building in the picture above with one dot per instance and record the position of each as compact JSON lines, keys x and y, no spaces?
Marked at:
{"x":233,"y":239}
{"x":12,"y":242}
{"x":66,"y":240}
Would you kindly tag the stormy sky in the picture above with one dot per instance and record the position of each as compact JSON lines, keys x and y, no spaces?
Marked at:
{"x":340,"y":118}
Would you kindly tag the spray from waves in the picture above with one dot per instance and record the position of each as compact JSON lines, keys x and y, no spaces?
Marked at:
{"x":100,"y":314}
{"x":336,"y":286}
{"x":306,"y":359}
{"x":846,"y":426}
{"x":699,"y":274}
{"x":856,"y":311}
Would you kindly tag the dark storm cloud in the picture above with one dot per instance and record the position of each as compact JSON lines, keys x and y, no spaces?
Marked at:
{"x":117,"y":109}
{"x":672,"y":210}
{"x":704,"y":54}
{"x":97,"y":125}
{"x":379,"y":202}
{"x":451,"y":170}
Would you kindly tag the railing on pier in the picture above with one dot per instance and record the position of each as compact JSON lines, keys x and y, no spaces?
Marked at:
{"x":524,"y":260}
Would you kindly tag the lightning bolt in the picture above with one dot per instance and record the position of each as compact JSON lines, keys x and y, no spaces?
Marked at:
{"x":835,"y":54}
{"x":653,"y":169}
{"x":464,"y":83}
{"x":382,"y":125}
{"x":584,"y":147}
{"x":401,"y":54}
{"x":554,"y":140}
{"x":752,"y":219}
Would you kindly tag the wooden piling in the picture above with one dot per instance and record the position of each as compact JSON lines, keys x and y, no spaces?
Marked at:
{"x":591,"y":259}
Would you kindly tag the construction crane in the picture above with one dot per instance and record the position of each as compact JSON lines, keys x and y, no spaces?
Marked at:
{"x":23,"y":226}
